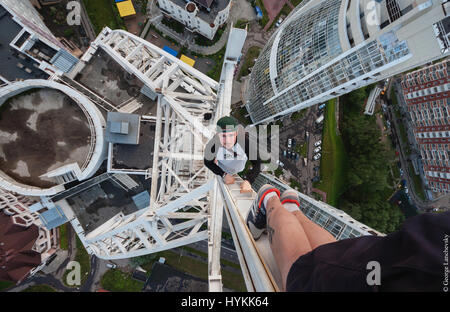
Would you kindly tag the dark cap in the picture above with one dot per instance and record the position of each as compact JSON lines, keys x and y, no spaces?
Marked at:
{"x":227,"y":124}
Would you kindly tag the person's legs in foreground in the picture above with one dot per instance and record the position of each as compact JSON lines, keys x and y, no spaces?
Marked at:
{"x":316,"y":235}
{"x":290,"y":234}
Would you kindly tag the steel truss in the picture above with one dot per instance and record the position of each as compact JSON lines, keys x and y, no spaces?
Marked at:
{"x":185,"y":201}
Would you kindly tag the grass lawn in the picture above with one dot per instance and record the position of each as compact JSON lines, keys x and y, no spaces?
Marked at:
{"x":241,"y":24}
{"x":296,"y":2}
{"x":249,"y":61}
{"x":298,"y":115}
{"x":63,"y":242}
{"x":403,"y":134}
{"x":218,"y":58}
{"x":333,"y":162}
{"x":85,"y":263}
{"x":239,"y":114}
{"x":5,"y":285}
{"x":103,"y":13}
{"x":301,"y":149}
{"x":118,"y":281}
{"x":39,"y":288}
{"x":418,"y":187}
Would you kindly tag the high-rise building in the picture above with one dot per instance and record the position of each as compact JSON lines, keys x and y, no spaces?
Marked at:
{"x":328,"y":48}
{"x":426,"y":95}
{"x":335,"y":221}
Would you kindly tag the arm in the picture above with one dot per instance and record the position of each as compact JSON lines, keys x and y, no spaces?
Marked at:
{"x":210,"y":155}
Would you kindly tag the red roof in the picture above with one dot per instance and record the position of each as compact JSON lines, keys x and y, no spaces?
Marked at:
{"x":16,"y":255}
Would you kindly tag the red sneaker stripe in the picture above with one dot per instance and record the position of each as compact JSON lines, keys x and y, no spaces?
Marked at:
{"x":267,"y":192}
{"x":288,"y":200}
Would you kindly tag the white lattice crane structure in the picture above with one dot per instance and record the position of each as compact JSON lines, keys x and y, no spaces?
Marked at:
{"x":187,"y":201}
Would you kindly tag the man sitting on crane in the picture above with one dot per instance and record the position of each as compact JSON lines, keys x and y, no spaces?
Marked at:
{"x":228,"y":152}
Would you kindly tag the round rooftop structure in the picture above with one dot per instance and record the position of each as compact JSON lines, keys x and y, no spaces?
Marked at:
{"x":191,"y":7}
{"x":49,"y":134}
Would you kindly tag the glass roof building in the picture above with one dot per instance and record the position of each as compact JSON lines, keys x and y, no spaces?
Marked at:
{"x":335,"y":221}
{"x":326,"y":48}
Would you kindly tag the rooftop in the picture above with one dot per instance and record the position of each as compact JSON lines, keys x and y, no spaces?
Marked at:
{"x":215,"y":6}
{"x":167,"y":279}
{"x":99,"y":199}
{"x":123,"y":128}
{"x":41,"y":130}
{"x":138,"y":157}
{"x":15,"y":65}
{"x":104,"y":76}
{"x":16,"y":255}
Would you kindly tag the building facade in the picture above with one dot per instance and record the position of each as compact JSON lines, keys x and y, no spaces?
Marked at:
{"x":25,"y":240}
{"x":426,"y":93}
{"x":328,"y":48}
{"x":199,"y":16}
{"x":337,"y":222}
{"x":27,"y":35}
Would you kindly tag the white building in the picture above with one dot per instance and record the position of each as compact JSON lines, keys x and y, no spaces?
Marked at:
{"x":200,"y":16}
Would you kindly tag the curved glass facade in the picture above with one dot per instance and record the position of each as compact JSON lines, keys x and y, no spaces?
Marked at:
{"x":304,"y":63}
{"x":307,"y":43}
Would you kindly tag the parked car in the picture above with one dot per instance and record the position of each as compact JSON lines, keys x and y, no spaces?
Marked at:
{"x":297,"y":157}
{"x":317,"y":149}
{"x":315,"y":179}
{"x":293,"y":155}
{"x":318,"y":143}
{"x":322,"y":106}
{"x":279,"y":163}
{"x":289,"y":154}
{"x":316,"y":168}
{"x":111,"y":265}
{"x":317,"y":156}
{"x":284,"y":153}
{"x":293,"y":142}
{"x":280,"y":20}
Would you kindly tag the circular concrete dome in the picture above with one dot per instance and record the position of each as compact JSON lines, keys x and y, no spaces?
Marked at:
{"x":47,"y":131}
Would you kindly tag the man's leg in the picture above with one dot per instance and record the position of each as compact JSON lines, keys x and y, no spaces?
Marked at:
{"x":287,"y":237}
{"x":316,"y":235}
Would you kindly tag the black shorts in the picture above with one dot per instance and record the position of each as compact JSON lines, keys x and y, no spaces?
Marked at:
{"x":411,"y":259}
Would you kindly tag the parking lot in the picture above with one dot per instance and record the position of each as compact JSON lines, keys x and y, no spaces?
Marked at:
{"x":303,"y":134}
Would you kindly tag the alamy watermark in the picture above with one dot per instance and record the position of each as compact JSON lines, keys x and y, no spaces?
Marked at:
{"x":374,"y":276}
{"x":74,"y":276}
{"x":74,"y":16}
{"x":445,"y":251}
